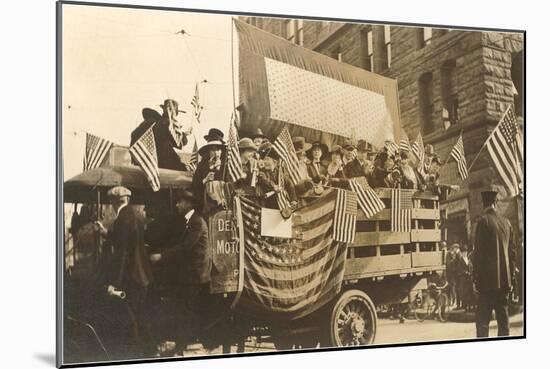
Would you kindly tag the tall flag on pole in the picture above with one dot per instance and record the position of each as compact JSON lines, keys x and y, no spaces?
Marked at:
{"x":345,"y":216}
{"x":234,"y":164}
{"x":195,"y":103}
{"x":505,"y":147}
{"x":457,"y":153}
{"x":96,"y":150}
{"x":404,"y":144}
{"x":144,"y":152}
{"x":367,"y":198}
{"x":401,"y":210}
{"x":285,"y":149}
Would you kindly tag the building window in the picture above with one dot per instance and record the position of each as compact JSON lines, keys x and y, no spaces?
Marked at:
{"x":300,"y":32}
{"x":387,"y":44}
{"x":290,"y":30}
{"x":517,"y":82}
{"x":449,"y":94}
{"x":424,"y":37}
{"x":367,"y":55}
{"x":425,"y":101}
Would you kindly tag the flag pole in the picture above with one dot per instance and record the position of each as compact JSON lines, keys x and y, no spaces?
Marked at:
{"x":488,"y":138}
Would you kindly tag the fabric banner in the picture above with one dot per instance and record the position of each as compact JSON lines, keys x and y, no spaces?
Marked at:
{"x":319,"y":97}
{"x":297,"y":276}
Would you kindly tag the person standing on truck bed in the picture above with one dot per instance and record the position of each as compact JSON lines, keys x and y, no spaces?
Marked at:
{"x":493,"y":265}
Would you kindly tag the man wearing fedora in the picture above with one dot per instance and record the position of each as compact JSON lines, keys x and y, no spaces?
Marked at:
{"x":211,"y":166}
{"x":360,"y":165}
{"x":493,"y":262}
{"x":129,"y":267}
{"x":170,"y":136}
{"x":187,"y":254}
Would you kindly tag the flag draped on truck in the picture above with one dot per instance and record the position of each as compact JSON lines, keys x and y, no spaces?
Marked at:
{"x":294,"y":276}
{"x":319,"y":98}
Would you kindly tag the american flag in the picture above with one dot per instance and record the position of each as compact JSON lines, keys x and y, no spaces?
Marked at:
{"x":391,"y":147}
{"x":345,"y":216}
{"x":283,"y":199}
{"x":417,"y":149}
{"x":96,"y":150}
{"x":457,"y":153}
{"x":404,"y":144}
{"x":505,"y":147}
{"x":293,"y":277}
{"x":234,"y":164}
{"x":144,"y":152}
{"x":195,"y":103}
{"x":401,"y":210}
{"x":285,"y":149}
{"x":367,"y":198}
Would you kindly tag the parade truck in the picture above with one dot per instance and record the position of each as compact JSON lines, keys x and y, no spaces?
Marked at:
{"x":318,"y":276}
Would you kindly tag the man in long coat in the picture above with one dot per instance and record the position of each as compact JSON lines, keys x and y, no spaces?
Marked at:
{"x":129,"y":268}
{"x":188,"y":255}
{"x":493,"y":262}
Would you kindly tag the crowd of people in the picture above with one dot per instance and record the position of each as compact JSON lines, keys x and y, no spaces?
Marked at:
{"x":458,"y":275}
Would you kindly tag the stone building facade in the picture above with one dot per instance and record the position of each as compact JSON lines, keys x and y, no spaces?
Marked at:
{"x":450,"y":82}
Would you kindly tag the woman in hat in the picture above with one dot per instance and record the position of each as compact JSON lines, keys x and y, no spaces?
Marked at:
{"x":211,"y":166}
{"x":301,"y":147}
{"x":316,"y":168}
{"x":335,"y":169}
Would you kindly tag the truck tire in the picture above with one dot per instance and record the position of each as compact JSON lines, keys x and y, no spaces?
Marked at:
{"x":353,"y":320}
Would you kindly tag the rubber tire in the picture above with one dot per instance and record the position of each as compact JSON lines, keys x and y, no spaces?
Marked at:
{"x":340,"y":303}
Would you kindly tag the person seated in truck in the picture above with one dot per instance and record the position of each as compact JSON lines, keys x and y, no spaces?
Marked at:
{"x":410,"y":178}
{"x":248,"y":151}
{"x":210,"y":167}
{"x":432,"y":179}
{"x":274,"y":189}
{"x":360,"y":166}
{"x":385,"y":174}
{"x":335,"y":169}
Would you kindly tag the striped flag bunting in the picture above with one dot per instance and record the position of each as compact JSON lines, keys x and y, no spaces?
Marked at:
{"x":95,"y":152}
{"x":234,"y":164}
{"x":505,"y":147}
{"x":404,"y":144}
{"x":457,"y":153}
{"x":401,"y":210}
{"x":367,"y":198}
{"x":285,"y":149}
{"x":195,"y":103}
{"x":345,"y":216}
{"x":293,"y":277}
{"x":144,"y":152}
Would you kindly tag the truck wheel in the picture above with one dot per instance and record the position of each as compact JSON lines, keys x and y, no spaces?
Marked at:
{"x":353,"y":320}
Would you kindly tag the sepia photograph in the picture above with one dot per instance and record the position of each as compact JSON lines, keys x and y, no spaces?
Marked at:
{"x":248,"y":184}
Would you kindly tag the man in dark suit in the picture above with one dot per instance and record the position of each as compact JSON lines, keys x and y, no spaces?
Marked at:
{"x":493,"y":262}
{"x":188,"y":254}
{"x":129,"y":268}
{"x":170,"y":137}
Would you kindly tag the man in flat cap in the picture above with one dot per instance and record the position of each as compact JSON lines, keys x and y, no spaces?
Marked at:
{"x":130,"y":269}
{"x":187,"y":253}
{"x":493,"y":261}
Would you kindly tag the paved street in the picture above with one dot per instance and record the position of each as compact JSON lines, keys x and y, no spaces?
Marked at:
{"x":391,"y":331}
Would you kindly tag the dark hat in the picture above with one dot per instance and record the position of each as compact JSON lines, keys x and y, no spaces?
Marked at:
{"x":183,"y":194}
{"x":246,"y":143}
{"x":266,"y":149}
{"x":214,"y":134}
{"x":404,"y":154}
{"x":489,"y":194}
{"x":300,"y":144}
{"x":322,"y":146}
{"x":437,"y":159}
{"x":348,"y":144}
{"x":259,"y":133}
{"x":174,"y":103}
{"x":336,"y":149}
